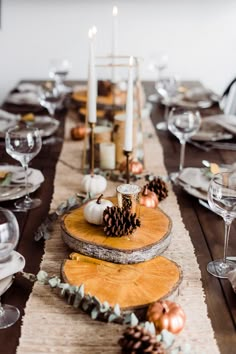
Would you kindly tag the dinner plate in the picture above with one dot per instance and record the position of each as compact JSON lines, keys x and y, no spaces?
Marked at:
{"x":17,"y":190}
{"x":13,"y":264}
{"x":46,"y":125}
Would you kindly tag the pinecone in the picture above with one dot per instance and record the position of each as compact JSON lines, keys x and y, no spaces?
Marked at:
{"x":158,"y":186}
{"x":138,"y":340}
{"x":119,"y":221}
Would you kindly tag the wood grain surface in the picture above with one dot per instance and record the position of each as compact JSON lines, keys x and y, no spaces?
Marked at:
{"x":131,"y":286}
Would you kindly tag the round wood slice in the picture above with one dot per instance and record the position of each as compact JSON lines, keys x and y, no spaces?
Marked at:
{"x":148,"y":241}
{"x":129,"y":285}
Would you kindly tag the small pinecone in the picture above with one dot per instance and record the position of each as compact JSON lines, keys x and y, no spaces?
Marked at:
{"x":138,"y":340}
{"x":158,"y":186}
{"x":119,"y":221}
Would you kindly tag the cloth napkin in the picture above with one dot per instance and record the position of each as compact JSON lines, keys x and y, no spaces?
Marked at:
{"x":195,"y":178}
{"x":27,"y":87}
{"x":22,"y":98}
{"x":8,"y":116}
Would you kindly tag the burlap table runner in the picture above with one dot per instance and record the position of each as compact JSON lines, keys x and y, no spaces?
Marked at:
{"x":52,"y":326}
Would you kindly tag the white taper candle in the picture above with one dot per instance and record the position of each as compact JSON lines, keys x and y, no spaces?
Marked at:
{"x":92,"y":80}
{"x":128,"y":140}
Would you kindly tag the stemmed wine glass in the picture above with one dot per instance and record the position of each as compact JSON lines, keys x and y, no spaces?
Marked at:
{"x":58,"y":71}
{"x":49,"y":97}
{"x":23,"y":143}
{"x":9,"y":236}
{"x":222,"y":200}
{"x":183,"y":124}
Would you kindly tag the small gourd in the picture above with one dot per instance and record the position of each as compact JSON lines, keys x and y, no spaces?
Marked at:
{"x":93,"y":210}
{"x":166,"y":315}
{"x":78,"y":132}
{"x":93,"y":184}
{"x":135,"y":166}
{"x":148,"y":198}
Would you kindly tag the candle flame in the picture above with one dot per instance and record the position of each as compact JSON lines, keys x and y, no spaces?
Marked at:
{"x":115,"y":11}
{"x":92,"y":32}
{"x":131,"y":61}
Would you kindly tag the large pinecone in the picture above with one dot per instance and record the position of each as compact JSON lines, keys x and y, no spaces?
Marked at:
{"x":119,"y":221}
{"x":138,"y":340}
{"x":158,"y":186}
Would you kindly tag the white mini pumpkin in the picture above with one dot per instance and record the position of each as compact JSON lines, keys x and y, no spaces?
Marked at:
{"x":93,"y":184}
{"x":93,"y":210}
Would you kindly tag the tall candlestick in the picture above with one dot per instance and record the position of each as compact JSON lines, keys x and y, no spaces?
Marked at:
{"x":114,"y":41}
{"x":92,"y":80}
{"x":128,"y":140}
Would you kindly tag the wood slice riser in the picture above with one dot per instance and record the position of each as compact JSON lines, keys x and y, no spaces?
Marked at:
{"x":115,"y":255}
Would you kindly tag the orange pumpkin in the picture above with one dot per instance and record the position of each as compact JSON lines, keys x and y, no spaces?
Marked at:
{"x":78,"y":132}
{"x":148,"y":198}
{"x":135,"y":166}
{"x":166,"y":315}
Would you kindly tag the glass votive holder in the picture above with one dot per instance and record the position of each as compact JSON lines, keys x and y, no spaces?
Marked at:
{"x":128,"y":197}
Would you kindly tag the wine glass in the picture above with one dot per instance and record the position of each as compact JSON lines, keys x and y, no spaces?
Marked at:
{"x":183,"y":124}
{"x":23,"y":143}
{"x":9,"y":236}
{"x":58,"y":71}
{"x":222,"y":200}
{"x":49,"y":97}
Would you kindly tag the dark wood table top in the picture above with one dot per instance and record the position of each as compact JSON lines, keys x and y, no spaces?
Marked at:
{"x":205,"y":229}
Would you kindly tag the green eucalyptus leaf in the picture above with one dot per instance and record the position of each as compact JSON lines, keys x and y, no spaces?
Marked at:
{"x":167,"y":338}
{"x":133,"y":319}
{"x":42,"y":277}
{"x":81,"y":290}
{"x":104,"y":307}
{"x":117,"y":310}
{"x":149,"y":326}
{"x":94,"y":313}
{"x":112,"y":317}
{"x":54,"y":282}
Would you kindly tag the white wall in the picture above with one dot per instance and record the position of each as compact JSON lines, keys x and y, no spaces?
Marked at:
{"x":198,"y":35}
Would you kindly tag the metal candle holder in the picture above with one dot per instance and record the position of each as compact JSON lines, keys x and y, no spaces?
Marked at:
{"x":92,"y":126}
{"x":127,"y":155}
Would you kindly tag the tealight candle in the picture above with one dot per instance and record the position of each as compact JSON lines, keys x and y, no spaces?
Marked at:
{"x":114,"y":41}
{"x":92,"y":80}
{"x":128,"y":140}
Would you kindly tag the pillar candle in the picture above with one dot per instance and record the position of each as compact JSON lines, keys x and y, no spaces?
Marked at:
{"x":107,"y":156}
{"x":114,"y":41}
{"x":92,"y":80}
{"x":128,"y":140}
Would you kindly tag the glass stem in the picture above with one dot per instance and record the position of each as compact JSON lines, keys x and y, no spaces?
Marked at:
{"x":182,"y":154}
{"x":1,"y":309}
{"x":226,"y":239}
{"x":27,"y":197}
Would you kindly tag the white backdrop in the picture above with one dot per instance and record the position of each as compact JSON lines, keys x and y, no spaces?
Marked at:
{"x":198,"y":35}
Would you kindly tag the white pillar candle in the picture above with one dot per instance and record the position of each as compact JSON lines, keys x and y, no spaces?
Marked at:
{"x":128,"y":140}
{"x":107,"y":156}
{"x":114,"y":41}
{"x":92,"y":80}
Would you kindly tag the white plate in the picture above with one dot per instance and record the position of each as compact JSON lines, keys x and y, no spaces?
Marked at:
{"x":35,"y":178}
{"x":14,"y":263}
{"x":216,"y":127}
{"x":46,"y":125}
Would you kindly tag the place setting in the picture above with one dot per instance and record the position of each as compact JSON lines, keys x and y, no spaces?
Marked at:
{"x":22,"y":144}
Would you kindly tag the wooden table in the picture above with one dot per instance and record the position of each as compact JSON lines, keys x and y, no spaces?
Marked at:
{"x":205,"y":229}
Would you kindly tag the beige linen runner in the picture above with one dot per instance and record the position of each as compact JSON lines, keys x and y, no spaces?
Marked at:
{"x":52,"y":326}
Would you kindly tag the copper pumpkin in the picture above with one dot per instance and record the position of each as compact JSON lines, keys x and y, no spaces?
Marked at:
{"x":78,"y":132}
{"x":166,"y":315}
{"x":135,"y":166}
{"x":148,"y":198}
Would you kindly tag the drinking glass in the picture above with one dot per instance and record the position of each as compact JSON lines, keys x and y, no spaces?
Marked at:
{"x":183,"y":124}
{"x":49,"y":97}
{"x":9,"y":236}
{"x":58,"y":71}
{"x":222,"y":200}
{"x":23,"y":143}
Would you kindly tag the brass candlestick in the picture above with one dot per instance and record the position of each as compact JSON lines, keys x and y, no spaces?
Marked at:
{"x":127,"y":154}
{"x":92,"y":126}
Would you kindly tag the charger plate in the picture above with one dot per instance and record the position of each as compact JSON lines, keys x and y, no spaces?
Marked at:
{"x":147,"y":242}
